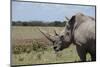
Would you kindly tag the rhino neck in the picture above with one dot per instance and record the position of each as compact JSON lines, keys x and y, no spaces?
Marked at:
{"x":72,"y":37}
{"x":72,"y":33}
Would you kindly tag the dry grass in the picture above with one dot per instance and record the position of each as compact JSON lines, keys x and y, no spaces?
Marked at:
{"x":29,"y":46}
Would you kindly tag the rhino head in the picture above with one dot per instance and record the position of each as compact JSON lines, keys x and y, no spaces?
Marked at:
{"x":60,"y":41}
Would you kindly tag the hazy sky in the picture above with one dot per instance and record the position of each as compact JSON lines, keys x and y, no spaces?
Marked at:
{"x":28,"y":11}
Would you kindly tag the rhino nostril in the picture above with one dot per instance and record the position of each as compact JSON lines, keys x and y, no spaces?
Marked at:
{"x":55,"y":47}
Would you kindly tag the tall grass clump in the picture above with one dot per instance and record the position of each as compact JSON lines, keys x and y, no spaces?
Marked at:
{"x":18,"y":49}
{"x":39,"y":46}
{"x":34,"y":46}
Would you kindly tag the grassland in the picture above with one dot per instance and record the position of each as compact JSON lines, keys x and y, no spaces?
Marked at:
{"x":29,"y":46}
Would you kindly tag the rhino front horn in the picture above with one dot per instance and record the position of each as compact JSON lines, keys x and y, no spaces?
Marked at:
{"x":47,"y":35}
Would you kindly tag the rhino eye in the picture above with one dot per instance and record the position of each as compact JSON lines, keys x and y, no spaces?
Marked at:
{"x":67,"y":33}
{"x":53,"y":42}
{"x":62,"y":37}
{"x":68,"y":27}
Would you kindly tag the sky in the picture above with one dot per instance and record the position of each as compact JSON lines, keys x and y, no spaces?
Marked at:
{"x":30,"y":11}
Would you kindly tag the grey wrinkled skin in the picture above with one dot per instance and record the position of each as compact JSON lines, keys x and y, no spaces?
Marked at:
{"x":59,"y":43}
{"x":79,"y":30}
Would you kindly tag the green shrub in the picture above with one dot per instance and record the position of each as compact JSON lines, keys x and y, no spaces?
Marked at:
{"x":18,"y":49}
{"x":39,"y":46}
{"x":36,"y":46}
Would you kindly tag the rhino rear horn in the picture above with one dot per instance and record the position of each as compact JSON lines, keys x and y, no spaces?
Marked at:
{"x":55,"y":33}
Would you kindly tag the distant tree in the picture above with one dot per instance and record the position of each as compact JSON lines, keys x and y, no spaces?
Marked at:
{"x":57,"y":23}
{"x":64,"y":23}
{"x":38,"y":23}
{"x":13,"y":23}
{"x":25,"y":23}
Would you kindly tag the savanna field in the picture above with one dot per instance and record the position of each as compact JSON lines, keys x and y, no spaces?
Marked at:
{"x":29,"y":46}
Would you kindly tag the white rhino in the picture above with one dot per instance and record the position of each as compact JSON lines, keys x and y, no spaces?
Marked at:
{"x":79,"y":30}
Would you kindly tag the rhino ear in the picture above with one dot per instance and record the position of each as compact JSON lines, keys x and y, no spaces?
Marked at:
{"x":72,"y":20}
{"x":67,"y":18}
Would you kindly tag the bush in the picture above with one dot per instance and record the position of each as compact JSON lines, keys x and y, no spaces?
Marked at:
{"x":39,"y":46}
{"x":18,"y":49}
{"x":36,"y":46}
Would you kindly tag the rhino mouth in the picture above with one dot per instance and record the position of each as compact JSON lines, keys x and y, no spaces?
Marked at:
{"x":57,"y":50}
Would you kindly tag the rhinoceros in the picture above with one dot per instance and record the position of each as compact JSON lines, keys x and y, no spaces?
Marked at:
{"x":79,"y":30}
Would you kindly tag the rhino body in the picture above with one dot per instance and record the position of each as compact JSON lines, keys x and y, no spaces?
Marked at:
{"x":84,"y":36}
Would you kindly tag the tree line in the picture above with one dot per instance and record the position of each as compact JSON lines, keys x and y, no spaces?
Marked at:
{"x":38,"y":23}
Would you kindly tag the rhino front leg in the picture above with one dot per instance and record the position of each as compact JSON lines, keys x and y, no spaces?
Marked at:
{"x":81,"y":53}
{"x":93,"y":57}
{"x":93,"y":54}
